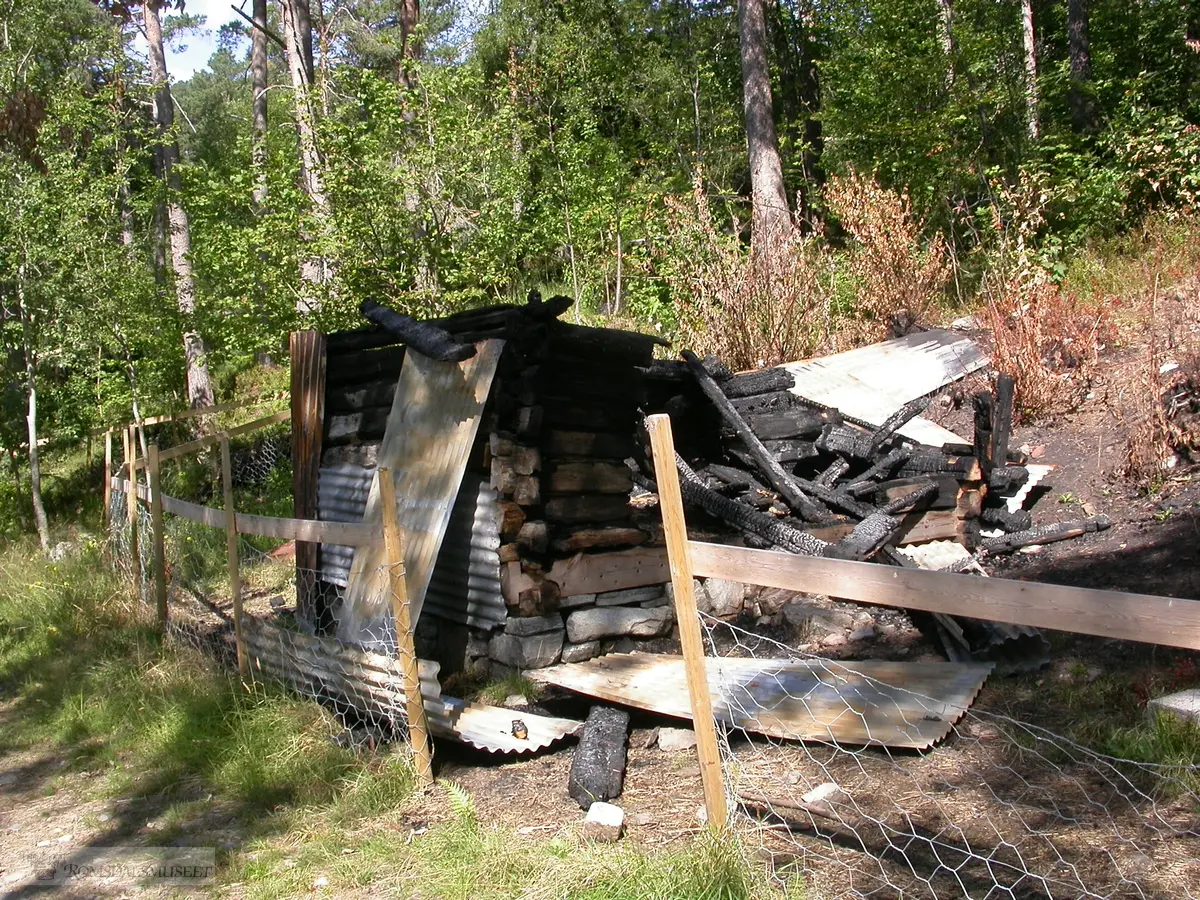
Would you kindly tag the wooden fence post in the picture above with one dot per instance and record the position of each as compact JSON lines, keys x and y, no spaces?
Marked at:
{"x":154,"y":481}
{"x":131,"y":505}
{"x":671,"y":504}
{"x":231,"y":550}
{"x":104,"y":516}
{"x":406,"y":652}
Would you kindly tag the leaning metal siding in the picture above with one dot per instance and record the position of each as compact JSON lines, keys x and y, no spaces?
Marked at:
{"x":465,"y":586}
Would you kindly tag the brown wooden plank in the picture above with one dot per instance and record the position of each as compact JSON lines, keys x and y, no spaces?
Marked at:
{"x":587,"y":478}
{"x":595,"y":573}
{"x":308,"y":350}
{"x":671,"y":503}
{"x":1132,"y":617}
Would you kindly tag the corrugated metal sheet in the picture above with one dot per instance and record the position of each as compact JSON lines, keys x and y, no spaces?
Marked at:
{"x":869,"y":702}
{"x":465,"y":585}
{"x":341,"y":497}
{"x":430,"y":432}
{"x":871,"y":383}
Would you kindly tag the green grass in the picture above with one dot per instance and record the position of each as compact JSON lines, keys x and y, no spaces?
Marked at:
{"x":180,"y":741}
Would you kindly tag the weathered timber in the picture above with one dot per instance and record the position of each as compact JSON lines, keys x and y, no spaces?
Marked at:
{"x":939,"y":525}
{"x":1005,"y":478}
{"x":356,"y":428}
{"x":587,"y":508}
{"x":931,"y":462}
{"x":598,"y":767}
{"x":529,"y":421}
{"x":591,"y":444}
{"x":764,"y":403}
{"x":791,"y":451}
{"x":534,"y":536}
{"x":568,"y":414}
{"x":429,"y":340}
{"x":896,"y":421}
{"x":372,"y":365}
{"x":946,"y":497}
{"x":910,"y":500}
{"x":765,"y":381}
{"x":581,"y":340}
{"x":1002,"y":419}
{"x":796,"y":422}
{"x":833,"y":472}
{"x":983,"y":430}
{"x":846,"y":440}
{"x":351,"y":398}
{"x":866,"y":539}
{"x":597,"y":538}
{"x":736,"y":479}
{"x":586,"y":478}
{"x":766,"y":527}
{"x":889,"y":461}
{"x":308,"y":374}
{"x":1000,"y":517}
{"x":512,"y":517}
{"x":779,"y":479}
{"x":1045,"y":534}
{"x":837,"y":499}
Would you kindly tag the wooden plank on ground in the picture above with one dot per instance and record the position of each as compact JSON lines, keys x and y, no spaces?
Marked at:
{"x":1131,"y":617}
{"x":430,"y":432}
{"x":594,"y":573}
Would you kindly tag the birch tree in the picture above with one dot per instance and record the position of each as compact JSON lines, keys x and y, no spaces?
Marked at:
{"x":1032,"y":125}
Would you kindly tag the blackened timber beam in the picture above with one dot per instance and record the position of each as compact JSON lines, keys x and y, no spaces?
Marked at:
{"x":896,"y":421}
{"x":770,"y":466}
{"x":1045,"y":534}
{"x":1002,"y":418}
{"x":428,"y":340}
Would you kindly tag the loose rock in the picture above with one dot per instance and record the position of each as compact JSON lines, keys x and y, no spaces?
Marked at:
{"x":534,"y":652}
{"x":604,"y":822}
{"x":573,"y":653}
{"x":616,"y":621}
{"x":672,"y":740}
{"x":726,"y":597}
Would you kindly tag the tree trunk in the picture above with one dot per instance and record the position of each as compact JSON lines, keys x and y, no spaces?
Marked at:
{"x":946,"y":38}
{"x":179,"y":232}
{"x":1080,"y":97}
{"x":35,"y":470}
{"x":771,"y":216}
{"x":414,"y":47}
{"x":800,"y":95}
{"x":314,"y":270}
{"x":258,"y":87}
{"x":1032,"y":126}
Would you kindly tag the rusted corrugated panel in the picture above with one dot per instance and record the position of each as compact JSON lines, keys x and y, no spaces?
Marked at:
{"x":871,"y":383}
{"x":431,"y":429}
{"x":867,"y":702}
{"x":465,"y":585}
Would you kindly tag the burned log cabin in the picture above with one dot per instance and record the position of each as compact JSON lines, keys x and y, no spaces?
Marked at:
{"x":528,"y":459}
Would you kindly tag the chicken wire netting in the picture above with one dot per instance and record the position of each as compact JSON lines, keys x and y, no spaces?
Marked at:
{"x":996,"y":808}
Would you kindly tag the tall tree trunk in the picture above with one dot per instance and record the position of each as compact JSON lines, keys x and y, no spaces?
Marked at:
{"x":1032,"y":125}
{"x":414,"y":47}
{"x":314,"y":270}
{"x":946,"y":38}
{"x":258,"y":117}
{"x":1080,"y":96}
{"x":771,"y":216}
{"x":199,"y":387}
{"x":35,"y":469}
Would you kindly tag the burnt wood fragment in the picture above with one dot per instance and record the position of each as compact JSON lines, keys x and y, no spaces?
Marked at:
{"x":1002,"y":419}
{"x":579,"y":509}
{"x":598,"y":767}
{"x":867,"y":538}
{"x":372,"y":365}
{"x":429,"y":340}
{"x":1005,"y":478}
{"x":779,"y":479}
{"x":932,"y":462}
{"x":846,"y":440}
{"x":735,"y":478}
{"x":1001,"y":518}
{"x":791,"y":451}
{"x":896,"y":421}
{"x":785,"y":423}
{"x":764,"y":403}
{"x":911,"y":499}
{"x":864,"y":483}
{"x":983,"y":430}
{"x":765,"y":381}
{"x":946,"y":497}
{"x":1045,"y":534}
{"x":832,"y":473}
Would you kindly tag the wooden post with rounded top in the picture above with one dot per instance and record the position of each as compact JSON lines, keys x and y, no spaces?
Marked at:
{"x":670,"y":502}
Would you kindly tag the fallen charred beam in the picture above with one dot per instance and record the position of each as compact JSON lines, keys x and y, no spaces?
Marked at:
{"x":946,"y":497}
{"x":846,"y":440}
{"x":768,"y":528}
{"x":910,"y":500}
{"x":868,"y":537}
{"x":1002,"y":419}
{"x":896,"y":421}
{"x":833,"y":472}
{"x":1045,"y":534}
{"x":598,"y":768}
{"x":429,"y":340}
{"x":1000,"y":517}
{"x":780,"y":480}
{"x":865,"y":483}
{"x":765,"y":381}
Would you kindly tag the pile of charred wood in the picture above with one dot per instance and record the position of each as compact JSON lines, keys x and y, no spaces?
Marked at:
{"x":795,"y":475}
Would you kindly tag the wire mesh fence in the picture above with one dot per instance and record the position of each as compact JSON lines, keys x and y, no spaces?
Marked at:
{"x":989,"y":807}
{"x":997,"y":808}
